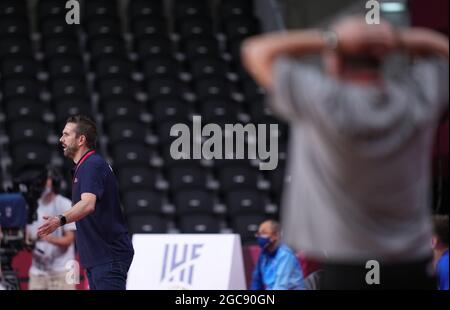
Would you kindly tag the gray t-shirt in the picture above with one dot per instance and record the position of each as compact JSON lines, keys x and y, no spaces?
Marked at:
{"x":360,"y":160}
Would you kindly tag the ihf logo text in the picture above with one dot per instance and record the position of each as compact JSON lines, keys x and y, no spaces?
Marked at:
{"x":179,"y":263}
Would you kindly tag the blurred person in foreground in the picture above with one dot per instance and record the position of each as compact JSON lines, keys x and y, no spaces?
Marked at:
{"x":52,"y":254}
{"x":440,"y":250}
{"x":277,"y":267}
{"x":361,"y":141}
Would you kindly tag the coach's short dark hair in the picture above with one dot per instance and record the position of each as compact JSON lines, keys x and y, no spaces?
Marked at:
{"x":440,"y":223}
{"x":85,"y":127}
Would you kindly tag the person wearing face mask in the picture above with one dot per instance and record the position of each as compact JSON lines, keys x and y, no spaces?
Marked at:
{"x":277,"y":267}
{"x":51,"y":253}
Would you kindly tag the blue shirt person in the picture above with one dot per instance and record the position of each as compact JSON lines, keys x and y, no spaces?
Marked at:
{"x":442,"y":271}
{"x":102,"y":237}
{"x":439,"y":243}
{"x":277,"y":267}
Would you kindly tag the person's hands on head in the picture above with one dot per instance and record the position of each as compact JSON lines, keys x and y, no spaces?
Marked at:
{"x":357,"y":37}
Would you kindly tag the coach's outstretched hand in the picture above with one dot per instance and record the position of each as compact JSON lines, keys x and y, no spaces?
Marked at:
{"x":50,"y":225}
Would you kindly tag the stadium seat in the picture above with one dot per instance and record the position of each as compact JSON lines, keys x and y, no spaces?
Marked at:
{"x":112,"y":66}
{"x":154,"y":45}
{"x":24,"y":109}
{"x":16,"y":46}
{"x":143,"y":202}
{"x":193,"y":202}
{"x":69,"y":106}
{"x":106,"y":45}
{"x":69,"y":87}
{"x":166,"y":87}
{"x":234,"y":8}
{"x":146,"y":224}
{"x":99,"y":8}
{"x":31,"y":131}
{"x":173,"y":110}
{"x":186,"y":177}
{"x":189,"y":8}
{"x":137,"y":177}
{"x":61,"y":46}
{"x":156,"y":66}
{"x":201,"y":47}
{"x":128,"y":154}
{"x":213,"y":87}
{"x":208,"y":66}
{"x":245,"y":201}
{"x":120,"y":86}
{"x":51,"y":8}
{"x":102,"y":26}
{"x":28,"y":155}
{"x":241,"y":27}
{"x":238,"y":177}
{"x":144,"y":26}
{"x":126,"y":131}
{"x":199,"y":223}
{"x":13,"y":26}
{"x":13,"y":8}
{"x":198,"y":26}
{"x":20,"y":87}
{"x":18,"y":66}
{"x":145,"y":8}
{"x":213,"y":111}
{"x":57,"y":27}
{"x":66,"y":66}
{"x":120,"y":109}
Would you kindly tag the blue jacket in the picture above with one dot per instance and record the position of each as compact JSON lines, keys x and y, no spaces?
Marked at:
{"x":279,"y":270}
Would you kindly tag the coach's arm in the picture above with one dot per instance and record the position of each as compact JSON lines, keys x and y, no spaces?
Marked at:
{"x":80,"y":210}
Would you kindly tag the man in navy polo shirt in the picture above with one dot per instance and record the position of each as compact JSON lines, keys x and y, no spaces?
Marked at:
{"x":102,"y":237}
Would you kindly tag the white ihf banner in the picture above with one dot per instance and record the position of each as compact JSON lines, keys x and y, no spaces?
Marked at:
{"x":187,"y":261}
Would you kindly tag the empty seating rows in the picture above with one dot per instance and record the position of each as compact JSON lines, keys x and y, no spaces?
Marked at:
{"x":162,"y":64}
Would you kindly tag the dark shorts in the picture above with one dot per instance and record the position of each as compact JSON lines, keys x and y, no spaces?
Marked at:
{"x":109,"y":276}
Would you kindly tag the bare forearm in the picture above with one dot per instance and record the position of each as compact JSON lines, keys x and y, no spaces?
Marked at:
{"x":63,"y":242}
{"x":260,"y":52}
{"x":79,"y":211}
{"x":422,"y":41}
{"x":297,"y":42}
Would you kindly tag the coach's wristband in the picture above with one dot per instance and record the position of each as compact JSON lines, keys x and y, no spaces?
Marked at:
{"x":62,"y":220}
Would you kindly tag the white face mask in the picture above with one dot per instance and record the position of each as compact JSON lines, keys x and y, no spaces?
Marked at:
{"x":46,"y":191}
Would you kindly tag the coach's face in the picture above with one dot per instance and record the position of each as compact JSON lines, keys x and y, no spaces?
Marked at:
{"x":69,"y":140}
